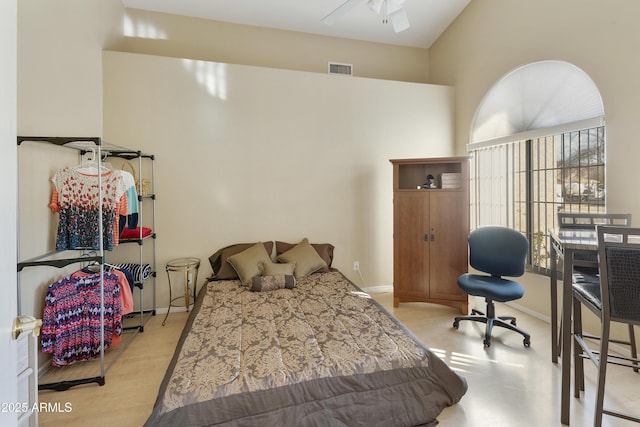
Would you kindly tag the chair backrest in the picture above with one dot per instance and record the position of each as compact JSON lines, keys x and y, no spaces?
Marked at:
{"x":498,"y":251}
{"x":591,"y":220}
{"x":619,"y":257}
{"x":587,"y":220}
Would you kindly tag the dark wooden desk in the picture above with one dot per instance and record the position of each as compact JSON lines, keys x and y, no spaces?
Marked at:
{"x":564,"y":244}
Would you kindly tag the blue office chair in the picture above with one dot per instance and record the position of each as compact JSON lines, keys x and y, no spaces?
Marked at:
{"x":496,"y":251}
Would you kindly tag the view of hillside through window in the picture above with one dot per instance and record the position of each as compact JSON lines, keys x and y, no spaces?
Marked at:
{"x":524,"y":184}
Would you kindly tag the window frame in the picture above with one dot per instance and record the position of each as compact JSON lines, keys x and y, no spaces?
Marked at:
{"x":517,"y":193}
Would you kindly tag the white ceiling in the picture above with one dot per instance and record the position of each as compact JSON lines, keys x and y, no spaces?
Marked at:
{"x":428,"y":18}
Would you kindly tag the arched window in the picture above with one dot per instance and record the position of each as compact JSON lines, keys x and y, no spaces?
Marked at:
{"x":538,"y":147}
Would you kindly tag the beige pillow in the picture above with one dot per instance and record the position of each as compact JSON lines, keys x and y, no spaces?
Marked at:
{"x":248,"y":263}
{"x":305,"y":257}
{"x":277,"y":269}
{"x":222,"y":270}
{"x":325,"y":250}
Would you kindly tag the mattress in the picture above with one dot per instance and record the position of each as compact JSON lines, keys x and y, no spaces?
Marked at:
{"x":322,"y":353}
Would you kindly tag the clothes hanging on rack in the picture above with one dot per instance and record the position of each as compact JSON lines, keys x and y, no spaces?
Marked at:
{"x":125,"y":279}
{"x":130,"y":220}
{"x":126,"y":293}
{"x":129,"y":276}
{"x":71,"y":318}
{"x":126,"y":297}
{"x":76,"y":197}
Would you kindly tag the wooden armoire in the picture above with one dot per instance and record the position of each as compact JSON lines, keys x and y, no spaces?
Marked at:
{"x":431,"y":226}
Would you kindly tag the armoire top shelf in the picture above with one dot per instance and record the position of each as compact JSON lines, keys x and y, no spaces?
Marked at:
{"x":412,"y":174}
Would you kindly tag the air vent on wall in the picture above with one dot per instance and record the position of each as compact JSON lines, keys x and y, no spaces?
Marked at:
{"x":343,"y":69}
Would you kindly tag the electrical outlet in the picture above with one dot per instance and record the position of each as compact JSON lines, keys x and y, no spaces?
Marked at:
{"x":356,"y":265}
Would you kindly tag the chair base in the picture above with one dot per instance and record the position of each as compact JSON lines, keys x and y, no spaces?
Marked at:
{"x":600,"y":356}
{"x":490,"y":319}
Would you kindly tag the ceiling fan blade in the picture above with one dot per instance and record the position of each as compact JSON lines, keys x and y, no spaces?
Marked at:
{"x":399,"y":20}
{"x":394,"y":5}
{"x":340,"y":11}
{"x":375,"y":6}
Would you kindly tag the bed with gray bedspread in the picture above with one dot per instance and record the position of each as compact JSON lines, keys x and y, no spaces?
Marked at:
{"x":321,"y":354}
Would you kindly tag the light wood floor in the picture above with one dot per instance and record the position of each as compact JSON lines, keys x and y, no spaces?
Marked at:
{"x":509,"y":385}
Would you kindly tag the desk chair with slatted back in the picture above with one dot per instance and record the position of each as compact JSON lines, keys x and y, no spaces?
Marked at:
{"x":585,"y":264}
{"x":616,"y":299}
{"x":499,"y":252}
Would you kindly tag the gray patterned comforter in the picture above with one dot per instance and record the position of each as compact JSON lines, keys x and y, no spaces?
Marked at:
{"x":323,"y":353}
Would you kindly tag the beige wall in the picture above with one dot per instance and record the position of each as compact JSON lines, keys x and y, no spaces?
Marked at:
{"x":60,"y":72}
{"x":492,"y":37}
{"x":60,"y":64}
{"x":251,"y":153}
{"x":59,"y":93}
{"x":186,"y":37}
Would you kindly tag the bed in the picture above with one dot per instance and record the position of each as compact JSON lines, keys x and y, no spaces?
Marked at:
{"x":321,"y":352}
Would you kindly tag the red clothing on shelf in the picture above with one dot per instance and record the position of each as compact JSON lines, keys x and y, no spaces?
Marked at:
{"x":134,"y":233}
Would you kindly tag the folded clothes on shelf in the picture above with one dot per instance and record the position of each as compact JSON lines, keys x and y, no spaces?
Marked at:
{"x":140,"y":272}
{"x":134,"y":233}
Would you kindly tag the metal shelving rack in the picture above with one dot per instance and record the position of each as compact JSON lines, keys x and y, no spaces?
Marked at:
{"x":141,"y":157}
{"x":60,"y":259}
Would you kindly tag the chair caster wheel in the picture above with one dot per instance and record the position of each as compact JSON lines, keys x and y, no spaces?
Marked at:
{"x":513,"y":322}
{"x":487,"y":343}
{"x":526,"y":342}
{"x":456,"y":324}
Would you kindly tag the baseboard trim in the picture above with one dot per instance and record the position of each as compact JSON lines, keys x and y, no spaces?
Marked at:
{"x":173,"y":310}
{"x":374,"y":289}
{"x":530,"y":312}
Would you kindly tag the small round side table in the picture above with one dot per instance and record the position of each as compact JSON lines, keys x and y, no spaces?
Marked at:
{"x":189,"y":266}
